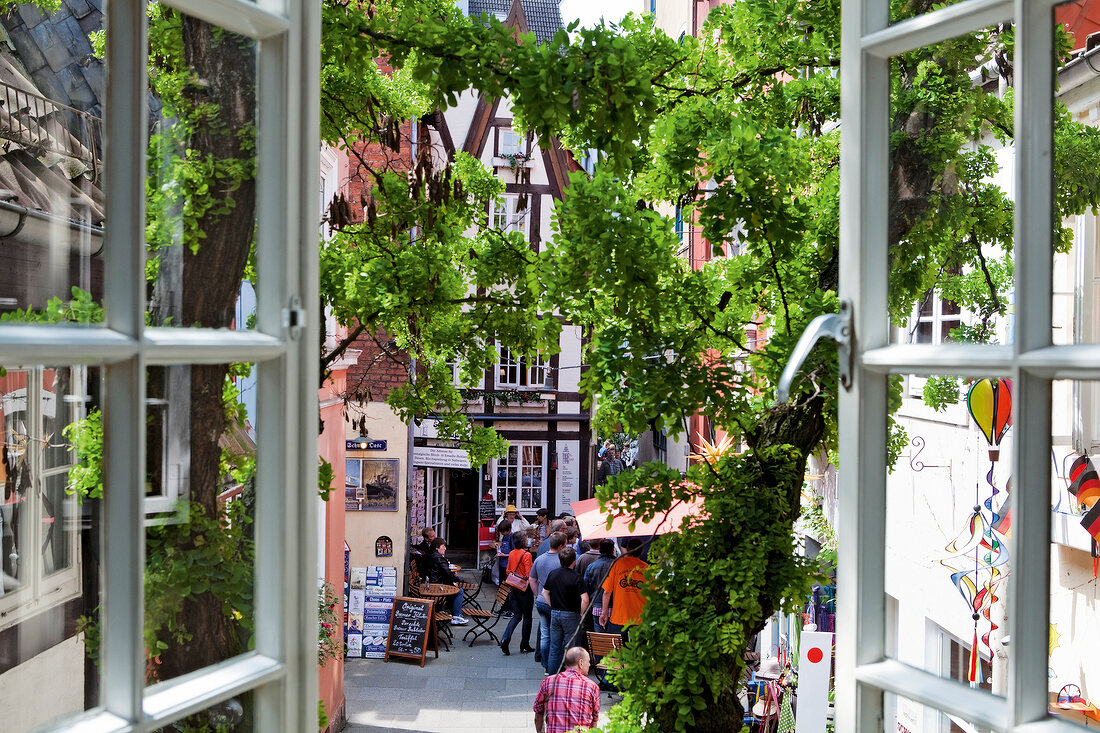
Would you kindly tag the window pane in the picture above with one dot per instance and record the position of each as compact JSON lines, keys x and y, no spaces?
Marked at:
{"x":946,"y":527}
{"x":908,"y":716}
{"x":51,"y":170}
{"x":235,"y":715}
{"x":200,"y":196}
{"x":923,"y":333}
{"x":49,"y":543}
{"x":200,"y":554}
{"x":951,"y":177}
{"x":946,"y":326}
{"x":16,"y":528}
{"x":1076,"y":267}
{"x":353,"y":485}
{"x":1074,"y":557}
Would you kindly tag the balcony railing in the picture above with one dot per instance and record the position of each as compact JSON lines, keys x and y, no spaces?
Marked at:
{"x":45,"y":128}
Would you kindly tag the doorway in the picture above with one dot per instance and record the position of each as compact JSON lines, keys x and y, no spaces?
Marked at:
{"x":462,"y":511}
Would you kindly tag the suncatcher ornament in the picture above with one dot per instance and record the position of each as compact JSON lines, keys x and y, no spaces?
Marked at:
{"x":990,"y":404}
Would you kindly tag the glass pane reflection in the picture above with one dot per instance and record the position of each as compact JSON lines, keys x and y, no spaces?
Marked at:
{"x":49,"y":542}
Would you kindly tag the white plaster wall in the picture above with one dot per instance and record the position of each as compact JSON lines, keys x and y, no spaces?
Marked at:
{"x":460,"y":116}
{"x":45,"y":686}
{"x":568,"y":375}
{"x":673,"y":16}
{"x":926,"y":510}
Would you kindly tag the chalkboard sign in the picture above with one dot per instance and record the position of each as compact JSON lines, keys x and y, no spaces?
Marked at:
{"x":410,"y":627}
{"x":488,"y":509}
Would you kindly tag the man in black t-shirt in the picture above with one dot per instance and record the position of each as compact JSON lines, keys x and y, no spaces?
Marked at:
{"x":567,"y":595}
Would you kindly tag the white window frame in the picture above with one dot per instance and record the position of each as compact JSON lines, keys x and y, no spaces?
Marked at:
{"x":510,"y":141}
{"x":281,"y":668}
{"x":863,"y":670}
{"x":438,"y":493}
{"x":40,"y":590}
{"x":520,"y":465}
{"x":522,"y":373}
{"x":505,"y":217}
{"x":937,"y":318}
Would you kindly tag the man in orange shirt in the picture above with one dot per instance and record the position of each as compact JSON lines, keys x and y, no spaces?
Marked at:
{"x":622,"y":589}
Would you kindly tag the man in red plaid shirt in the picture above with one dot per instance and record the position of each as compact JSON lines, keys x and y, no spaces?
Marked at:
{"x":568,"y":699}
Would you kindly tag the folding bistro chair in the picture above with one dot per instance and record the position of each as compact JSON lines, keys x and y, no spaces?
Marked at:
{"x":484,"y":621}
{"x":469,"y":601}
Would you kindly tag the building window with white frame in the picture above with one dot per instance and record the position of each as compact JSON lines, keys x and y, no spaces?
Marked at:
{"x":520,"y":371}
{"x":519,"y":477}
{"x":39,"y":525}
{"x":437,"y":499}
{"x":507,"y":216}
{"x":510,"y":142}
{"x":934,"y":320}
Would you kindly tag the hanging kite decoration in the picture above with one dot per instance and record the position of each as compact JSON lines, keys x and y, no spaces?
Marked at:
{"x":978,"y":555}
{"x":1084,"y":484}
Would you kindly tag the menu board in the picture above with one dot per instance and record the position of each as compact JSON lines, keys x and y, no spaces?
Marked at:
{"x":410,"y":627}
{"x":487,"y":509}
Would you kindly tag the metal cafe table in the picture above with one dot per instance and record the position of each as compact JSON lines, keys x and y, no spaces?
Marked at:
{"x":440,"y":592}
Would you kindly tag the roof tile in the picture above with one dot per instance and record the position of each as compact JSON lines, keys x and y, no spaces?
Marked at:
{"x":543,"y":16}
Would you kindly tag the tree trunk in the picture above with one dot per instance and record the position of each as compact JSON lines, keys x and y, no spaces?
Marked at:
{"x":224,"y":66}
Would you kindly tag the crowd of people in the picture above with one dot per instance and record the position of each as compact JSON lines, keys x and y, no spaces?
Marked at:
{"x":565,"y":579}
{"x":573,"y":585}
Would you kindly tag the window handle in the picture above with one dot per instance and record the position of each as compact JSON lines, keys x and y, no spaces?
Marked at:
{"x":838,"y":327}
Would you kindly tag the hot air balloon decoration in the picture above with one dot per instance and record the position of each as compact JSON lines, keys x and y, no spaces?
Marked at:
{"x":990,"y":404}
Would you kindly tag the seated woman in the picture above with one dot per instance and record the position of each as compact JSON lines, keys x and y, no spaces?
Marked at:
{"x":522,"y":601}
{"x":437,"y":570}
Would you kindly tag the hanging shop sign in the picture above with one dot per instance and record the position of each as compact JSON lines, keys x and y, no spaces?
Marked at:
{"x":430,"y":455}
{"x":364,"y":444}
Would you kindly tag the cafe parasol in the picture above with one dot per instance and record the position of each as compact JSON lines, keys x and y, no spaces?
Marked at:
{"x":593,"y":521}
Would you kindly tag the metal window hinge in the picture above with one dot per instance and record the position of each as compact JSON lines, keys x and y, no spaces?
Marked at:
{"x":838,"y":327}
{"x":294,"y":317}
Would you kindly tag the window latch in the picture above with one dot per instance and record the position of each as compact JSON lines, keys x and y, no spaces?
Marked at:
{"x":838,"y":327}
{"x":294,"y":317}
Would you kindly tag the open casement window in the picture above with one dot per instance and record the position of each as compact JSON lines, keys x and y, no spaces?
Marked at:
{"x":518,"y":477}
{"x":520,"y":371}
{"x":508,"y":217}
{"x":869,"y":680}
{"x":94,"y":406}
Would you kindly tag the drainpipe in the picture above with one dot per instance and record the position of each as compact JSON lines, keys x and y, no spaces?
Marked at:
{"x":412,"y":375}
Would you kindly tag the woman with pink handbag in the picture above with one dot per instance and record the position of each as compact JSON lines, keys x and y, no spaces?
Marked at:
{"x":521,"y":598}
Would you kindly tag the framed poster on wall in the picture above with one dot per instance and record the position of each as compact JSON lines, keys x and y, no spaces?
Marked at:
{"x":371,"y":484}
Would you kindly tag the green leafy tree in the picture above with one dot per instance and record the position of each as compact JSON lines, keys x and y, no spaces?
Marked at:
{"x":737,"y":127}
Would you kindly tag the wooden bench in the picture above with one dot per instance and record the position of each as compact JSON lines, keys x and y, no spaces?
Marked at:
{"x":600,"y":645}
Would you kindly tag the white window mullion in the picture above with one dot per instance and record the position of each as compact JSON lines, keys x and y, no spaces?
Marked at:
{"x":861,"y":601}
{"x":122,"y":668}
{"x":286,"y":528}
{"x":1029,"y":590}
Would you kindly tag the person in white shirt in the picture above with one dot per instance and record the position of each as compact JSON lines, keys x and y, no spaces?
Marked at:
{"x":519,"y":524}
